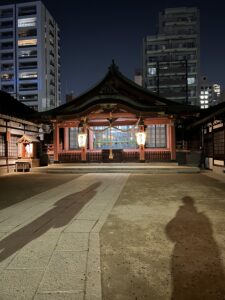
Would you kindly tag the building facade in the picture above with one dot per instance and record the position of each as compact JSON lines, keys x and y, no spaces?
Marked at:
{"x":14,"y":124}
{"x":30,"y":55}
{"x":171,"y":58}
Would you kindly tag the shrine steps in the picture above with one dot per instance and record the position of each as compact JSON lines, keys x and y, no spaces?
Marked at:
{"x":146,"y":168}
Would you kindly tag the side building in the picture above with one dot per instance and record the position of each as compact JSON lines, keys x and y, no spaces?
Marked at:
{"x":30,"y":55}
{"x":171,"y":58}
{"x":209,"y":93}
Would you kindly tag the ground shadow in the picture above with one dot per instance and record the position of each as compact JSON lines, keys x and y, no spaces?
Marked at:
{"x":60,"y":215}
{"x":196,"y":267}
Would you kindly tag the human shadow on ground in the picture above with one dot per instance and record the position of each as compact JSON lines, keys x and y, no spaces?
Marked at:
{"x":196,"y":267}
{"x":60,"y":215}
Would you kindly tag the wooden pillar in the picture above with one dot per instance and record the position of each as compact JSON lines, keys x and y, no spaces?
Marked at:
{"x":56,"y":142}
{"x":142,"y":147}
{"x":84,"y":149}
{"x":172,"y":141}
{"x":7,"y":141}
{"x":91,"y":140}
{"x":66,"y":138}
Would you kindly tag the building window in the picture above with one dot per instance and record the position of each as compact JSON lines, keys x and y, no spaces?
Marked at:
{"x":28,"y":53}
{"x":27,"y":98}
{"x":122,"y":137}
{"x":73,"y":138}
{"x":27,"y":10}
{"x":218,"y":137}
{"x":28,"y":65}
{"x":152,"y":71}
{"x":156,"y":136}
{"x":191,"y":80}
{"x":23,"y":33}
{"x":6,"y":67}
{"x":28,"y":75}
{"x":27,"y":22}
{"x":2,"y":145}
{"x":25,"y":43}
{"x":28,"y":87}
{"x":6,"y":13}
{"x":12,"y":146}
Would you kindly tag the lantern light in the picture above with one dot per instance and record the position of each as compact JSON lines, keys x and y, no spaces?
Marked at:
{"x":141,"y":137}
{"x":82,"y":138}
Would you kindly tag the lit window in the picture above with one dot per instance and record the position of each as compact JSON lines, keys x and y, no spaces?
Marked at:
{"x":152,"y":71}
{"x":28,"y":22}
{"x":206,"y":106}
{"x":206,"y":92}
{"x":206,"y":101}
{"x":202,"y":102}
{"x":202,"y":106}
{"x":27,"y":75}
{"x":202,"y":92}
{"x":206,"y":97}
{"x":30,"y":42}
{"x":201,"y":97}
{"x":191,"y":80}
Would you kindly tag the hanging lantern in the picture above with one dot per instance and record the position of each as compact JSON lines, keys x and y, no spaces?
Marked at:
{"x":82,"y":139}
{"x":141,"y":138}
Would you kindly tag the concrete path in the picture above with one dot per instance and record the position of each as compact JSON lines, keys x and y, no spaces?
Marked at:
{"x":50,"y":242}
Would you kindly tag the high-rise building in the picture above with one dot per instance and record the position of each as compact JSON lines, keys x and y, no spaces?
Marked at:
{"x":171,"y":58}
{"x":209,"y":93}
{"x":29,"y":54}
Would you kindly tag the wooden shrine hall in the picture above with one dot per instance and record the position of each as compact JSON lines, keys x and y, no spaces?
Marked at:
{"x":116,"y":121}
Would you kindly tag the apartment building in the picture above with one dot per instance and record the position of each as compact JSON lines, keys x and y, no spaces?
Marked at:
{"x":171,"y":58}
{"x":30,"y":55}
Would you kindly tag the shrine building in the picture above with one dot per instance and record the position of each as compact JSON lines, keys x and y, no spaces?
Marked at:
{"x":116,"y":121}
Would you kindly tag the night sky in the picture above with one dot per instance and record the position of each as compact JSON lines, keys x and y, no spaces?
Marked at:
{"x":95,"y":32}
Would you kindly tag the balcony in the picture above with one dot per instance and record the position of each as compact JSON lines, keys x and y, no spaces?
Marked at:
{"x":7,"y":57}
{"x":7,"y":67}
{"x":25,"y":98}
{"x":7,"y":77}
{"x":8,"y":88}
{"x":6,"y":46}
{"x":28,"y":88}
{"x":27,"y":11}
{"x":6,"y":35}
{"x":6,"y":14}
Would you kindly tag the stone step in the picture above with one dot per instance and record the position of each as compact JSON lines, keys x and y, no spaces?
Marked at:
{"x":117,"y":168}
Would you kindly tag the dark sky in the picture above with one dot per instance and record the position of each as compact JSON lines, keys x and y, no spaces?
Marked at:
{"x":95,"y":32}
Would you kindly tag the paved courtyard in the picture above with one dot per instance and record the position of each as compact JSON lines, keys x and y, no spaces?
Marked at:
{"x":112,"y":236}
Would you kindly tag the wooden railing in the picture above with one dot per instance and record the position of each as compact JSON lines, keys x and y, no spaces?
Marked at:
{"x":119,"y":156}
{"x":157,"y":156}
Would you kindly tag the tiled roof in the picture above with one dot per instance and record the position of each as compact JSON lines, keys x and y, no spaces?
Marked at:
{"x":11,"y":107}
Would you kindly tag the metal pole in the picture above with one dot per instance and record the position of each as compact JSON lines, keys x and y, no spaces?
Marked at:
{"x":186,"y":75}
{"x":6,"y":148}
{"x":157,"y":66}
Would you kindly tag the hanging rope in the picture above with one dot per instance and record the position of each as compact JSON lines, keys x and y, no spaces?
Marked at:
{"x":117,"y":128}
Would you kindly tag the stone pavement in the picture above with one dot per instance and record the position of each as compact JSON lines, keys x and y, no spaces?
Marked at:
{"x":50,"y":241}
{"x":112,"y":236}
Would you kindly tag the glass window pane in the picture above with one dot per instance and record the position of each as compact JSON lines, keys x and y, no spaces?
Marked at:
{"x":122,"y":137}
{"x":73,"y":138}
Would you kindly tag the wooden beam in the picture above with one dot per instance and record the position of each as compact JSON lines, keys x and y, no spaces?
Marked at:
{"x":56,"y":142}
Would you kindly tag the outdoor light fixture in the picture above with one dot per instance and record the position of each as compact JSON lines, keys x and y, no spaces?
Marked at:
{"x":82,"y":138}
{"x":141,"y":137}
{"x":29,"y":149}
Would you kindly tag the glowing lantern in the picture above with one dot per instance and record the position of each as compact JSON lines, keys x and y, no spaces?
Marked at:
{"x":82,"y":138}
{"x":141,"y":137}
